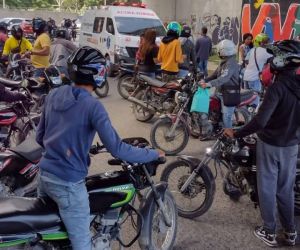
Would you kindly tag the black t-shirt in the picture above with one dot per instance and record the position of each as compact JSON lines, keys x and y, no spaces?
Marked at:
{"x":148,"y":65}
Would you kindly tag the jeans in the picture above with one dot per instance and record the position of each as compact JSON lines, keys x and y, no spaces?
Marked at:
{"x":182,"y":73}
{"x":227,"y":113}
{"x":39,"y":72}
{"x":276,"y":172}
{"x":256,"y":86}
{"x":203,"y":67}
{"x":73,"y":204}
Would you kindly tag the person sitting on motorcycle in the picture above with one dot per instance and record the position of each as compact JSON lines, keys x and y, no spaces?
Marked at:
{"x":148,"y":53}
{"x":67,"y":138}
{"x":60,"y":51}
{"x":277,"y":125}
{"x":188,"y":50}
{"x":16,"y":43}
{"x":40,"y":53}
{"x":170,"y":52}
{"x":10,"y":96}
{"x":226,"y":74}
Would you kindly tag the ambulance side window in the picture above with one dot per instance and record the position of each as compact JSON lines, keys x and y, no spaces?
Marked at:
{"x":110,"y":26}
{"x":98,"y":24}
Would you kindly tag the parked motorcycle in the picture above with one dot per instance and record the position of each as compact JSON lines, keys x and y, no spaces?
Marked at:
{"x":128,"y":79}
{"x":171,"y":132}
{"x":18,"y":68}
{"x":193,"y":184}
{"x":152,"y":96}
{"x":35,"y":223}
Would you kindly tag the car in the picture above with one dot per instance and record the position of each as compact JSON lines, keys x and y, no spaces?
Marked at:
{"x":11,"y":21}
{"x":26,"y":26}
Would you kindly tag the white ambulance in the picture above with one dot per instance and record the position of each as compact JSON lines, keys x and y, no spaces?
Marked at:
{"x":116,"y":30}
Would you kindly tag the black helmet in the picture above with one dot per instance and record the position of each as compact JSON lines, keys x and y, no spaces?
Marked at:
{"x":186,"y":31}
{"x":39,"y":25}
{"x":86,"y":66}
{"x":17,"y":32}
{"x":61,"y":33}
{"x":286,"y":54}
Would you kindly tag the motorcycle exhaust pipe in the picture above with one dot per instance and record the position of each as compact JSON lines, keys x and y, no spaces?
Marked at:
{"x":141,"y":103}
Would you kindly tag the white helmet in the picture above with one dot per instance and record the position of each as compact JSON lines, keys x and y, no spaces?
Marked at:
{"x":226,"y":48}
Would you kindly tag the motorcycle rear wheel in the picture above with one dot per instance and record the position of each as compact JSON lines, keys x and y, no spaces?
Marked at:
{"x":168,"y":144}
{"x":140,"y":113}
{"x":204,"y":181}
{"x":103,"y":90}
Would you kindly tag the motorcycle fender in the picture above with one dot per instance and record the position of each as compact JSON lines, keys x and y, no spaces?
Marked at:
{"x":145,"y":210}
{"x":121,"y":74}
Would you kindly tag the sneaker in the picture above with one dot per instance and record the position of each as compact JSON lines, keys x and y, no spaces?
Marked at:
{"x":267,"y":238}
{"x":290,"y":238}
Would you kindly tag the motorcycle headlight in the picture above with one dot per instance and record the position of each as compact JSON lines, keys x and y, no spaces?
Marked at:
{"x":208,"y":151}
{"x":121,"y":51}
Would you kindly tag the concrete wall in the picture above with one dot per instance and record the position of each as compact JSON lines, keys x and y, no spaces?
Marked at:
{"x":165,"y":9}
{"x":57,"y":16}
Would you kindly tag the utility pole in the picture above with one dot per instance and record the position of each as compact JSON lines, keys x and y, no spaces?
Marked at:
{"x":104,"y":2}
{"x":4,"y":4}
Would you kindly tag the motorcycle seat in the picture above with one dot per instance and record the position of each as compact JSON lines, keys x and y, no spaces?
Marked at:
{"x":247,"y":97}
{"x":24,"y":215}
{"x":10,"y":83}
{"x":152,"y":81}
{"x":29,"y":149}
{"x":127,"y":66}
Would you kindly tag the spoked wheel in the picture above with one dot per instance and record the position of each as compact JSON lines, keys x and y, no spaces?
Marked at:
{"x":241,"y":117}
{"x":103,"y":90}
{"x":126,"y":86}
{"x":140,"y":113}
{"x":162,"y":137}
{"x":198,"y":196}
{"x":162,"y":237}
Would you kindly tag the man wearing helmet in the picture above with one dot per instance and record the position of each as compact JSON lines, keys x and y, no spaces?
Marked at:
{"x":170,"y":53}
{"x":67,"y":138}
{"x":41,"y":49}
{"x":60,"y":51}
{"x":16,"y":43}
{"x":277,"y":125}
{"x":188,"y":50}
{"x":257,"y":58}
{"x":227,"y":74}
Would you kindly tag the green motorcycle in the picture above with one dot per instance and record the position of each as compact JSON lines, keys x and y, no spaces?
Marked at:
{"x":34,"y":223}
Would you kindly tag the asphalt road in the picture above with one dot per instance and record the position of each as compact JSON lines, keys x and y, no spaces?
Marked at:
{"x":227,"y":225}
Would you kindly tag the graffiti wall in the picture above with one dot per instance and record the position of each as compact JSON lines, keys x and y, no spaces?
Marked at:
{"x":279,"y":19}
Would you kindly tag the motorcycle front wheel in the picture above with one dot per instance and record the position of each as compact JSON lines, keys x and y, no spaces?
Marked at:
{"x":140,"y":113}
{"x":103,"y":90}
{"x":162,"y":237}
{"x":126,"y":86}
{"x":161,"y":138}
{"x":198,"y":196}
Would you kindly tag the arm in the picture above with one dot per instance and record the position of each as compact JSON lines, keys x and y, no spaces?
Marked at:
{"x":6,"y":49}
{"x":193,"y":55}
{"x":109,"y":137}
{"x":159,"y":56}
{"x":264,"y":114}
{"x":223,"y":78}
{"x":10,"y":96}
{"x":41,"y":127}
{"x":213,"y":76}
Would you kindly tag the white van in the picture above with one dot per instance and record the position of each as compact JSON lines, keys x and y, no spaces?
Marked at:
{"x":116,"y":30}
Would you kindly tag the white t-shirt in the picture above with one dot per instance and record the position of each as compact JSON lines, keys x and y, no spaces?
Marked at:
{"x":251,"y":72}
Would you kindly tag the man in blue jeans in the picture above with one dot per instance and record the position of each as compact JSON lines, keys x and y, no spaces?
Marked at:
{"x":203,"y":50}
{"x":68,"y":125}
{"x":277,"y":125}
{"x":226,"y":74}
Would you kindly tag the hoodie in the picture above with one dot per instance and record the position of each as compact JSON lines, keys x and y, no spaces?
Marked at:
{"x":278,"y":120}
{"x":188,"y":49}
{"x":170,"y":54}
{"x":67,"y":128}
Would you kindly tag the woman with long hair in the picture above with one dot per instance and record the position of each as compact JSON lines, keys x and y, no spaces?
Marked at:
{"x":246,"y":46}
{"x":148,"y":53}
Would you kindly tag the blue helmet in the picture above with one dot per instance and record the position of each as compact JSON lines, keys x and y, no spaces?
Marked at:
{"x":175,"y":27}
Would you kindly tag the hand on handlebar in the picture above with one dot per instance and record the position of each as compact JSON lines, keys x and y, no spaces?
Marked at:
{"x":229,"y":132}
{"x":161,"y":153}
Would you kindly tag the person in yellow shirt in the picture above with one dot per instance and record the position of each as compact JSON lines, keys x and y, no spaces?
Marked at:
{"x":40,"y":54}
{"x":16,"y":43}
{"x":170,"y":52}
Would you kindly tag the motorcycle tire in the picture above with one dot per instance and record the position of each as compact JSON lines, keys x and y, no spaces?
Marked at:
{"x":103,"y":90}
{"x":157,"y":223}
{"x":208,"y":182}
{"x":146,"y":116}
{"x":167,"y":122}
{"x":244,"y":113}
{"x":124,"y":91}
{"x":22,"y":135}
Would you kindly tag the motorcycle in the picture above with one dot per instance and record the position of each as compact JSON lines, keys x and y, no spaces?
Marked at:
{"x":128,"y":79}
{"x":195,"y":188}
{"x":34,"y":223}
{"x":171,"y":132}
{"x":18,"y":68}
{"x":152,"y":96}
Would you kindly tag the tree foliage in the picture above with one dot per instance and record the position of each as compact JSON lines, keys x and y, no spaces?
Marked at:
{"x":30,"y":3}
